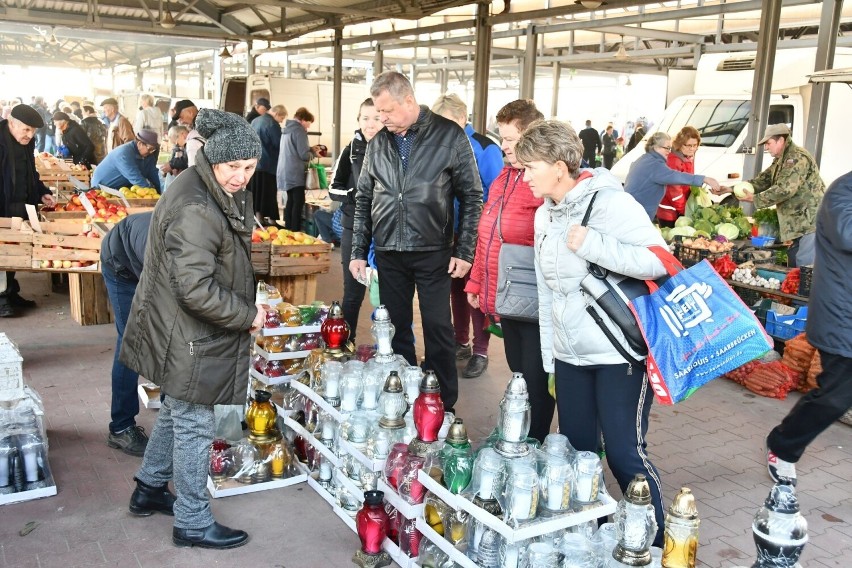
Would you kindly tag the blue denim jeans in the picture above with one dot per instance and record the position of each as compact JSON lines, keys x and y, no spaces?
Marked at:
{"x":125,"y":404}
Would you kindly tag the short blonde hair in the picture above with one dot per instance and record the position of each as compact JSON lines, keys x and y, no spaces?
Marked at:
{"x":279,"y":110}
{"x":452,"y":105}
{"x":551,"y":141}
{"x":175,"y":132}
{"x":146,"y":98}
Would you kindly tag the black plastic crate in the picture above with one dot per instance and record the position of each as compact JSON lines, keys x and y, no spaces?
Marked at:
{"x":805,"y":279}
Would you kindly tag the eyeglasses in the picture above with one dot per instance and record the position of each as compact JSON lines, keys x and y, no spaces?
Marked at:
{"x":695,"y":145}
{"x":668,"y":148}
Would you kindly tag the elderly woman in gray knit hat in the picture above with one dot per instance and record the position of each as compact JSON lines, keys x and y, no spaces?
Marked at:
{"x":189,"y":327}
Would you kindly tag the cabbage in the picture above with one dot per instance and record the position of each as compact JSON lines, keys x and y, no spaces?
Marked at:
{"x":720,"y":239}
{"x":744,"y":226}
{"x":683,"y":222}
{"x":704,"y":234}
{"x":702,"y":196}
{"x":728,"y":230}
{"x":666,"y":233}
{"x":710,"y":214}
{"x":704,"y":225}
{"x":742,"y":189}
{"x":682,"y":232}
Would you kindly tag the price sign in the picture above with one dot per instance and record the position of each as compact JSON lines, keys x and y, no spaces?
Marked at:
{"x":87,"y":205}
{"x":116,"y":193}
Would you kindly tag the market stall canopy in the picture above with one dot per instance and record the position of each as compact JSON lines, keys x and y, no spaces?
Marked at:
{"x":832,"y":76}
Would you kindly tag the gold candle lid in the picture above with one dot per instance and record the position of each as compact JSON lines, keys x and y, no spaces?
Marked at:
{"x":457,"y":433}
{"x":638,"y":492}
{"x":393,"y":383}
{"x":683,"y":505}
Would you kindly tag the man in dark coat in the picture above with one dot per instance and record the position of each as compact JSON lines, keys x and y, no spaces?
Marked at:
{"x":75,"y":139}
{"x":591,"y":143}
{"x":829,"y":330}
{"x":19,"y":185}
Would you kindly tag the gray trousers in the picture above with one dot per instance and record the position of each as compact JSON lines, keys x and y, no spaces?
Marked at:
{"x":178,"y":449}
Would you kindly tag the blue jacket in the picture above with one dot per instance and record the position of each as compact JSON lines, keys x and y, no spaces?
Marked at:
{"x":269,"y":131}
{"x":829,"y":310}
{"x":123,"y":248}
{"x":124,"y":166}
{"x":648,"y":178}
{"x":489,"y":162}
{"x":293,"y":155}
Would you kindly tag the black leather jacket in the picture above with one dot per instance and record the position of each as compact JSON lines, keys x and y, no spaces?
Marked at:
{"x":413,"y":211}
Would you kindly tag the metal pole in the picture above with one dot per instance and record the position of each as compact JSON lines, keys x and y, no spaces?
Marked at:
{"x":482,"y":68}
{"x":337,"y":95}
{"x":557,"y":76}
{"x":828,"y":27}
{"x":528,"y":76}
{"x":173,"y":71}
{"x":378,"y":61}
{"x":770,"y":17}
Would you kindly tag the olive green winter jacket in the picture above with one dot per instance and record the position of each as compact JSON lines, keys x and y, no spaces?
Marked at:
{"x":792,"y":183}
{"x":188,"y":327}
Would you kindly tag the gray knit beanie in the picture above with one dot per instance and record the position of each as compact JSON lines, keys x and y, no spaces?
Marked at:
{"x":229,"y":136}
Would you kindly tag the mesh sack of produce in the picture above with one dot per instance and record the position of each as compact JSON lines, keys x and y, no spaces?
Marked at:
{"x":814,"y":369}
{"x":773,"y":380}
{"x":798,"y":354}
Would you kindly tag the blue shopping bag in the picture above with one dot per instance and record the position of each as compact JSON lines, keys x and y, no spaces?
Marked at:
{"x":697,"y":329}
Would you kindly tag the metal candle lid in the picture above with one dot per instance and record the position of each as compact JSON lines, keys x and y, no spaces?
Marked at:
{"x":683,"y":506}
{"x":457,"y":433}
{"x":429,"y":383}
{"x":382,"y":313}
{"x":393,"y":383}
{"x":638,"y":491}
{"x":335,"y":312}
{"x":517,"y":388}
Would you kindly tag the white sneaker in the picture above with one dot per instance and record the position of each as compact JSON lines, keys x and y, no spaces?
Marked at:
{"x":780,"y":469}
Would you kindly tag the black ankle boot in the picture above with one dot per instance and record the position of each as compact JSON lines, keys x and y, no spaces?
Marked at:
{"x":147,"y":500}
{"x":215,"y":536}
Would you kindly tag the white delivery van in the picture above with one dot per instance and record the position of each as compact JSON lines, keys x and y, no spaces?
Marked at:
{"x":239,"y":94}
{"x":721,"y":106}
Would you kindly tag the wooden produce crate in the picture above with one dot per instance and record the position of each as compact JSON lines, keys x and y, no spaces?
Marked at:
{"x":89,"y":300}
{"x":71,"y":247}
{"x":298,"y":289}
{"x":55,"y":172}
{"x":291,"y":260}
{"x":16,"y":246}
{"x":260,"y":257}
{"x":147,"y":204}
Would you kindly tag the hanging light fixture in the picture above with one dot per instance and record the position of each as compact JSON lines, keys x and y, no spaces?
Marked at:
{"x":52,"y":39}
{"x":590,"y":4}
{"x":628,"y":83}
{"x":621,"y":54}
{"x":167,"y":21}
{"x":225,"y":53}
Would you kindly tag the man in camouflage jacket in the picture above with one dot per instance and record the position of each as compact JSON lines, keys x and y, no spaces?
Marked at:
{"x":792,"y":183}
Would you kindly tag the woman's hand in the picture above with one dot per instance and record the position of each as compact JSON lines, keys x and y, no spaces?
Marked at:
{"x":259,"y":319}
{"x":576,"y":236}
{"x":473,"y":300}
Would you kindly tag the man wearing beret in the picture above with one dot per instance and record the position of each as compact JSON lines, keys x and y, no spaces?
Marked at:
{"x":792,"y":184}
{"x":133,"y":163}
{"x":19,"y":185}
{"x":75,"y":139}
{"x":120,"y":131}
{"x":261,"y":107}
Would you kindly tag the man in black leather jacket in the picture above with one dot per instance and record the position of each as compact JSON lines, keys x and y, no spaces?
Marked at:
{"x":413,"y":170}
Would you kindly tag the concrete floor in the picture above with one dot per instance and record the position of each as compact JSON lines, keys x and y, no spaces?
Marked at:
{"x":712,"y":443}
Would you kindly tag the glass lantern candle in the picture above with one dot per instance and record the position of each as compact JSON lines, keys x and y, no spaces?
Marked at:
{"x":334,"y":330}
{"x":325,"y":472}
{"x":279,"y":459}
{"x":221,"y":463}
{"x":245,"y":457}
{"x":371,"y":523}
{"x":540,"y":555}
{"x":410,"y":488}
{"x":412,"y":376}
{"x":409,"y":538}
{"x":635,"y":524}
{"x":326,"y":427}
{"x":350,"y":390}
{"x":372,"y":381}
{"x":779,"y":529}
{"x":558,"y":444}
{"x":392,"y":405}
{"x":587,"y":474}
{"x":261,"y":415}
{"x":556,"y":483}
{"x":383,"y":331}
{"x":514,"y":424}
{"x":394,"y":464}
{"x":522,"y":494}
{"x":329,"y":384}
{"x":457,"y":458}
{"x":681,"y":534}
{"x":379,"y":444}
{"x":487,"y":480}
{"x":428,"y":409}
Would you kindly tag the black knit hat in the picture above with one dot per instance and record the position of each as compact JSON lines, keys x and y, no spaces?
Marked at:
{"x":180,"y":106}
{"x":229,"y":136}
{"x":28,"y":115}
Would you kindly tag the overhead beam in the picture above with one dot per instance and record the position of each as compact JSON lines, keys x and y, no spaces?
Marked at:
{"x":214,"y":15}
{"x":649,"y":33}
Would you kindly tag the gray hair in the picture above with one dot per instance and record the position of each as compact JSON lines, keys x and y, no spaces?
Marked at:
{"x":551,"y":141}
{"x":396,"y":84}
{"x":146,"y":98}
{"x":176,"y":131}
{"x":279,"y":110}
{"x":451,"y":104}
{"x":657,"y":140}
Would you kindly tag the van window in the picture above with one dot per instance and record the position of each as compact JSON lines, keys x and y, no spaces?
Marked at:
{"x":719,"y":121}
{"x":258,"y":94}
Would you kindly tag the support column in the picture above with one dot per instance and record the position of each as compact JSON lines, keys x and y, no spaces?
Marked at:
{"x":378,"y":61}
{"x":481,"y":69}
{"x":217,"y":78}
{"x":173,"y":76}
{"x":337,"y":89}
{"x":140,"y":79}
{"x":249,"y":60}
{"x":767,"y":42}
{"x":201,"y":90}
{"x":829,"y":25}
{"x":557,"y":76}
{"x":528,"y":69}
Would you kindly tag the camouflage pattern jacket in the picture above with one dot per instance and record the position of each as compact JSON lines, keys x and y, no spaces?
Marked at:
{"x":792,"y":183}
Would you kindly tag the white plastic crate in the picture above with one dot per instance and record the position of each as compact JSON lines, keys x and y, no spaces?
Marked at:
{"x":11,"y":370}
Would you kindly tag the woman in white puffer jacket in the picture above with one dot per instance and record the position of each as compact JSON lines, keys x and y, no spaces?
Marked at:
{"x":597,"y":390}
